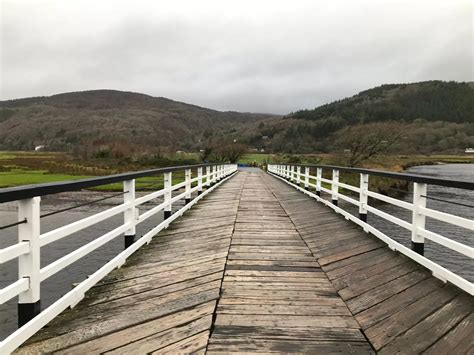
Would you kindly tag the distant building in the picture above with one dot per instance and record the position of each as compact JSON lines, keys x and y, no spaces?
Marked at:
{"x":469,"y":150}
{"x":39,"y":148}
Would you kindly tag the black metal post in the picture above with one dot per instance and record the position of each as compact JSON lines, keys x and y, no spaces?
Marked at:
{"x":129,"y":240}
{"x":27,"y":311}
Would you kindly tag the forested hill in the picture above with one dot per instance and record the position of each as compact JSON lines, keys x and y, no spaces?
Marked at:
{"x":429,"y":100}
{"x":95,"y":118}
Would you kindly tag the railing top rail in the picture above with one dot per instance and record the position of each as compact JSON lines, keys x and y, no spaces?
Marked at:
{"x":468,"y":185}
{"x":29,"y":191}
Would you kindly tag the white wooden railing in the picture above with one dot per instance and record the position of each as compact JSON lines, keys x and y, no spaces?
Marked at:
{"x":30,"y":240}
{"x":292,"y":175}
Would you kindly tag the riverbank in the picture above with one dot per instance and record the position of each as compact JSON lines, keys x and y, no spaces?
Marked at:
{"x":25,"y":168}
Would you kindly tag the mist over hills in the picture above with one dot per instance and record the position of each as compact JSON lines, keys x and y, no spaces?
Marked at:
{"x":435,"y":116}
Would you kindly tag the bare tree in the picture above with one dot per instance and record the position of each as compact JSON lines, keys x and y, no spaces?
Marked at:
{"x":365,"y":141}
{"x":230,"y":152}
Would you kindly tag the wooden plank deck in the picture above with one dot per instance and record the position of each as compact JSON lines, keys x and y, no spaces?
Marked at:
{"x":275,"y":297}
{"x":256,"y":266}
{"x":399,"y":305}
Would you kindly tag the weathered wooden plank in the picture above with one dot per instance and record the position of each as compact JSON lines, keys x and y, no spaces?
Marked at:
{"x":385,"y":331}
{"x":457,"y":341}
{"x":283,"y":309}
{"x":378,"y":294}
{"x":130,"y":335}
{"x":433,"y":327}
{"x":186,"y":346}
{"x":376,"y":311}
{"x":180,"y":333}
{"x":384,"y":277}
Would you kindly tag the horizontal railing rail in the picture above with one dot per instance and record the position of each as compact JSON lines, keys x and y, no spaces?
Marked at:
{"x":28,"y":191}
{"x":30,"y":240}
{"x":294,"y":176}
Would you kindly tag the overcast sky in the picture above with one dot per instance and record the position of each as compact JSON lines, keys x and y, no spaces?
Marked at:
{"x":260,"y":56}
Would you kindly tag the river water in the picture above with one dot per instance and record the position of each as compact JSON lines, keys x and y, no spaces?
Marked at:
{"x":62,"y":282}
{"x":451,"y":260}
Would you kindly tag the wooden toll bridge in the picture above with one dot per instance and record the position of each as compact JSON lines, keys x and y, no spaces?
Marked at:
{"x":257,"y":266}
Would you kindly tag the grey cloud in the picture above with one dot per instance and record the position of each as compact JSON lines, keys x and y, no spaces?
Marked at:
{"x":256,"y":56}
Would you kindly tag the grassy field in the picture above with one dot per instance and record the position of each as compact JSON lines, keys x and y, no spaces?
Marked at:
{"x":25,"y":168}
{"x":28,"y":168}
{"x":257,"y":158}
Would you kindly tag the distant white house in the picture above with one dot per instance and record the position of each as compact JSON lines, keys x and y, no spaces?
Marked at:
{"x":469,"y":150}
{"x":39,"y":148}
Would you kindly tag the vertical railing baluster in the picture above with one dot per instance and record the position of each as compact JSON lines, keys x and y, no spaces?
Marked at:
{"x":418,"y":218}
{"x":129,"y":214}
{"x":168,"y":182}
{"x":306,"y":177}
{"x":319,"y":175}
{"x":363,"y":197}
{"x":29,"y":302}
{"x":298,"y":175}
{"x":208,"y":176}
{"x":187,"y":186}
{"x":214,"y":172}
{"x":199,"y":170}
{"x":334,"y":186}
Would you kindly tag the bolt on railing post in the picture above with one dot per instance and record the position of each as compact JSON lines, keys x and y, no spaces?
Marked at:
{"x":208,"y":176}
{"x":363,"y":197}
{"x":306,"y":177}
{"x":334,"y":186}
{"x":199,"y":180}
{"x":29,"y":302}
{"x":319,"y":175}
{"x":168,"y":182}
{"x":129,"y":215}
{"x":298,"y":175}
{"x":187,"y":186}
{"x":418,"y":219}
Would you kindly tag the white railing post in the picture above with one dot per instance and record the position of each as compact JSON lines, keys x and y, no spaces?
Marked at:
{"x":214,"y":172}
{"x":208,"y":176}
{"x":334,"y":186}
{"x":363,"y":197}
{"x":29,"y":303}
{"x":418,"y":219}
{"x":168,"y":182}
{"x":129,"y":215}
{"x":319,"y":175}
{"x":306,"y":177}
{"x":187,"y":187}
{"x":287,"y":172}
{"x":199,"y":180}
{"x":292,"y":173}
{"x":298,"y":175}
